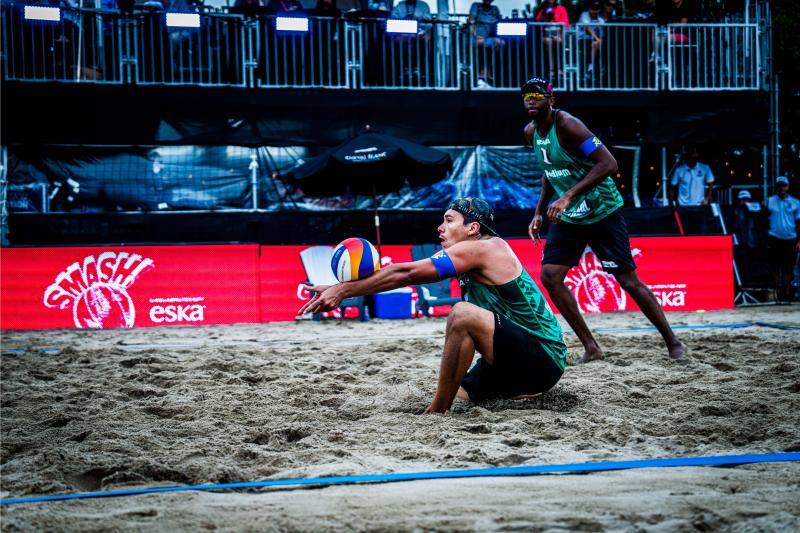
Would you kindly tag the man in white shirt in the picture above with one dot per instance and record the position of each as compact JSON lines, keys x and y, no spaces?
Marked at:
{"x":784,"y":228}
{"x":693,"y":181}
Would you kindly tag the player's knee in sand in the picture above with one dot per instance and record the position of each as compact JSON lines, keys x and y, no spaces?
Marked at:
{"x":467,"y":319}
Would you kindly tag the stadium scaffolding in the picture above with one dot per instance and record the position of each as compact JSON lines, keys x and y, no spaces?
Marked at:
{"x":220,"y":49}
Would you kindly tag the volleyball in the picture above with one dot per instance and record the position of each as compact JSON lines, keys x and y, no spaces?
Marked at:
{"x":354,"y":258}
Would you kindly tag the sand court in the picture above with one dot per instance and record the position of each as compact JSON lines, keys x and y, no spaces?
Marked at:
{"x":108,"y":410}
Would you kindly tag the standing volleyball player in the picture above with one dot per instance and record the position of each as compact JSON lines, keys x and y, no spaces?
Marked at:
{"x":577,"y":167}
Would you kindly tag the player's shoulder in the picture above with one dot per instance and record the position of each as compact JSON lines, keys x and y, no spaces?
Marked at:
{"x":565,"y":117}
{"x":528,"y":129}
{"x":527,"y":132}
{"x":477,"y":247}
{"x":570,"y":124}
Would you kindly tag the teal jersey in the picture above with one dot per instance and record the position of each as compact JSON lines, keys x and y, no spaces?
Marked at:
{"x":563,"y":170}
{"x":521,"y":302}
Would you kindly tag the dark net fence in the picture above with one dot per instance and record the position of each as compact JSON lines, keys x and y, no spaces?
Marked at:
{"x":170,"y":178}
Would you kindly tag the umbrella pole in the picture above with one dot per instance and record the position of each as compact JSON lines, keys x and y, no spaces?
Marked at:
{"x":377,"y":222}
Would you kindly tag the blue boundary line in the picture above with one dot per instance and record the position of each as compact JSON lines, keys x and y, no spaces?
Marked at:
{"x":723,"y":460}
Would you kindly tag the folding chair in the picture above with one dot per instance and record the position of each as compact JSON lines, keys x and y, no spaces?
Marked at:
{"x":317,"y":264}
{"x":431,"y":294}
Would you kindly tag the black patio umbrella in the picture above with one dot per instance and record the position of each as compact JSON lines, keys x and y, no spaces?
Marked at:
{"x":371,"y":163}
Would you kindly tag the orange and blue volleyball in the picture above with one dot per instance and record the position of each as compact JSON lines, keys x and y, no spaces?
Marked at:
{"x":355,"y":258}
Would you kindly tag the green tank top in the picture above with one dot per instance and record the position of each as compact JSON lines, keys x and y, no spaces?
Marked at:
{"x":521,"y":302}
{"x":563,"y":170}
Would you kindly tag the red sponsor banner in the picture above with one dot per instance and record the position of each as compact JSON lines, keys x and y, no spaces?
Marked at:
{"x":684,"y":273}
{"x":282,"y":276}
{"x":112,"y":287}
{"x":105,"y":287}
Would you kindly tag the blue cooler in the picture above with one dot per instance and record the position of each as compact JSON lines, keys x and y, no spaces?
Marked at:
{"x":393,"y":304}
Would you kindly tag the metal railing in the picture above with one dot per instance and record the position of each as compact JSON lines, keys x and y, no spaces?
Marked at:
{"x":213,"y":54}
{"x":620,"y":57}
{"x":93,"y":46}
{"x":82,"y":46}
{"x":422,"y":60}
{"x":713,"y":56}
{"x":316,"y":58}
{"x":506,"y":62}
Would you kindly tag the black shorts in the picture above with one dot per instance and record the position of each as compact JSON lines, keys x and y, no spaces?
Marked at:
{"x":783,"y":254}
{"x":521,"y":366}
{"x":608,"y":239}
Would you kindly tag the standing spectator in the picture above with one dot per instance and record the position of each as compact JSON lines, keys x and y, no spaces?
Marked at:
{"x":746,"y":222}
{"x":553,"y":36}
{"x":590,"y":37}
{"x":693,"y":181}
{"x":483,"y":17}
{"x":784,"y":228}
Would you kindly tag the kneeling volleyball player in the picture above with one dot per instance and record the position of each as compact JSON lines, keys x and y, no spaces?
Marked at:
{"x":504,"y":316}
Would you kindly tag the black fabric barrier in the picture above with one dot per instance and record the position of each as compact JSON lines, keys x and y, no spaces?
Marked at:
{"x":49,"y":113}
{"x":329,"y":227}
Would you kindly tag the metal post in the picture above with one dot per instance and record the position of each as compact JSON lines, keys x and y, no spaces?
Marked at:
{"x":774,"y":119}
{"x":664,"y":176}
{"x":3,"y":196}
{"x":634,"y":173}
{"x":637,"y":155}
{"x":765,"y":165}
{"x":253,"y":168}
{"x":776,"y":128}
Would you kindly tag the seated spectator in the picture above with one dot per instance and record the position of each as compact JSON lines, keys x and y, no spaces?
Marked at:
{"x":675,"y":12}
{"x":379,"y":5}
{"x":553,"y":36}
{"x":248,"y":8}
{"x":416,"y":10}
{"x":609,"y":13}
{"x":590,"y":37}
{"x":325,"y":8}
{"x":284,"y":7}
{"x":483,"y":17}
{"x":646,"y":13}
{"x":412,"y":50}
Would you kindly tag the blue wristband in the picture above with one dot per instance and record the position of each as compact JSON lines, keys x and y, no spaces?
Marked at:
{"x":444,"y":265}
{"x":590,"y":145}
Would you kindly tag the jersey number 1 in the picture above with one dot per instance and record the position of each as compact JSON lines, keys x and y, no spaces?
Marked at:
{"x":544,"y":156}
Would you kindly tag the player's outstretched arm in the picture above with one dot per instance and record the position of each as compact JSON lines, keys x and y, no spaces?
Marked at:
{"x":464,"y":257}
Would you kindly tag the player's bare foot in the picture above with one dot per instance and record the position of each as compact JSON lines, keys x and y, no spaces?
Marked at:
{"x":677,"y":352}
{"x":592,"y":354}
